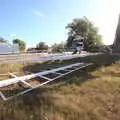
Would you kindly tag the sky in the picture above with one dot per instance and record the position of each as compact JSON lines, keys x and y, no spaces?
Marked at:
{"x":45,"y":20}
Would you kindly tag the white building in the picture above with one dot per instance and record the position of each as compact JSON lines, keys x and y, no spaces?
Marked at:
{"x":6,"y":48}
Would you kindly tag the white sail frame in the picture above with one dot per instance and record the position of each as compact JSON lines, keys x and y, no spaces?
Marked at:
{"x":24,"y":78}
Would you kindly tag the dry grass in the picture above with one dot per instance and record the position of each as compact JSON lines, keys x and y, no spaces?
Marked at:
{"x":90,"y":94}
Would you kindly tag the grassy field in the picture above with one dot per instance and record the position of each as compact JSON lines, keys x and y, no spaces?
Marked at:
{"x":89,"y":94}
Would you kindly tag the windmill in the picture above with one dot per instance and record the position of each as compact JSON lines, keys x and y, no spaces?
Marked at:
{"x":116,"y":44}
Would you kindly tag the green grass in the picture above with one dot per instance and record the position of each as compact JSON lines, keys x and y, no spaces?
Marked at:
{"x":89,"y":94}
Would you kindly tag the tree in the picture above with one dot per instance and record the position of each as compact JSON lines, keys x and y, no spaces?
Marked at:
{"x":84,"y":30}
{"x":21,"y":43}
{"x":41,"y":46}
{"x":2,"y":40}
{"x":58,"y":47}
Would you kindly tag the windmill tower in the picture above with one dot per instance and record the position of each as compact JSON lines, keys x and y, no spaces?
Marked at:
{"x":116,"y":44}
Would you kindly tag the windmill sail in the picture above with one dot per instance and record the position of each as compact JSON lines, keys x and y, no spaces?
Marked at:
{"x":116,"y":44}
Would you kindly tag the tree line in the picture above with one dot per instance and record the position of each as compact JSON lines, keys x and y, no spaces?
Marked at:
{"x":80,"y":29}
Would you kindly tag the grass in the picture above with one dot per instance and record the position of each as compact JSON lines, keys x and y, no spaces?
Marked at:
{"x":89,"y":94}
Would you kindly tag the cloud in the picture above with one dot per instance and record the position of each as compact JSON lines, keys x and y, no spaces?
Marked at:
{"x":38,"y":13}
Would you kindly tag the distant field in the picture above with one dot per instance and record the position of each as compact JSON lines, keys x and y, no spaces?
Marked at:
{"x":89,"y":94}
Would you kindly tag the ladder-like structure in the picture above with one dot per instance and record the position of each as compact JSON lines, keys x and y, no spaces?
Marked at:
{"x":16,"y":86}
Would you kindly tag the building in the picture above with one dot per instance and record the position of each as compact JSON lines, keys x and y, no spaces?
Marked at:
{"x":6,"y":48}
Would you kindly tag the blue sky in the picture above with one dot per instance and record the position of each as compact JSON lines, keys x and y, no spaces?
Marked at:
{"x":44,"y":20}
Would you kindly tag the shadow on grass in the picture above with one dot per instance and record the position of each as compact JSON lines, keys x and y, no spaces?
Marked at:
{"x":98,"y":61}
{"x":83,"y":74}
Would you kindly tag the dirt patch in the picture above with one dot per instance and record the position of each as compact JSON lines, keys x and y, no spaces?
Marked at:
{"x":13,"y":89}
{"x":51,"y":75}
{"x":62,"y":71}
{"x":71,"y":68}
{"x":36,"y":81}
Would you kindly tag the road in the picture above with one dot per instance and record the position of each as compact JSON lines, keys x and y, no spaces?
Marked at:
{"x":46,"y":57}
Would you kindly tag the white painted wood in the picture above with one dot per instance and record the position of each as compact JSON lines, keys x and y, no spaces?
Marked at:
{"x":15,"y":80}
{"x":58,"y":73}
{"x":26,"y":83}
{"x":71,"y":71}
{"x":40,"y":74}
{"x":12,"y":75}
{"x":46,"y":78}
{"x":2,"y":96}
{"x":35,"y":87}
{"x":27,"y":77}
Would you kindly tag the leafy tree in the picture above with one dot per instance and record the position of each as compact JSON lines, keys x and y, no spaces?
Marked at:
{"x":42,"y":46}
{"x":58,"y":47}
{"x":21,"y":43}
{"x":83,"y":30}
{"x":2,"y":40}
